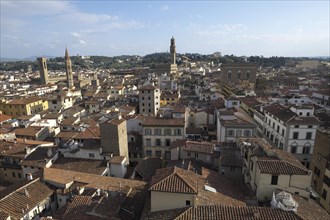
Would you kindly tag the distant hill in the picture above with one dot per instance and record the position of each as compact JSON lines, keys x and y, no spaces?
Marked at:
{"x":31,"y":58}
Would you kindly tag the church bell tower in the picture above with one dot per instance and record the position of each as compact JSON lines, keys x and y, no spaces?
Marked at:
{"x":68,"y":68}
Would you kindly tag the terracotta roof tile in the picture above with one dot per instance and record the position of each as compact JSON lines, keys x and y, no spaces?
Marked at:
{"x":202,"y":147}
{"x":26,"y":100}
{"x":92,"y":180}
{"x":151,"y":121}
{"x":4,"y":118}
{"x":80,"y":165}
{"x":270,"y":166}
{"x":26,"y":197}
{"x":223,"y":213}
{"x":308,"y":209}
{"x":39,"y":157}
{"x":147,"y":167}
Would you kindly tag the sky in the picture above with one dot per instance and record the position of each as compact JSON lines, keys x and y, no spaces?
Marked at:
{"x":111,"y":28}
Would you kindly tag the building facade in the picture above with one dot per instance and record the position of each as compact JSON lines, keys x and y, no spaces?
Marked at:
{"x":149,"y":99}
{"x":21,"y":107}
{"x":235,"y":73}
{"x":159,"y":133}
{"x":320,"y":166}
{"x":266,"y":169}
{"x":114,"y":138}
{"x":291,"y":129}
{"x":233,"y":125}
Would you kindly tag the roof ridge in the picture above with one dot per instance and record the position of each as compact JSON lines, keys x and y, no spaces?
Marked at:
{"x":195,"y":190}
{"x":183,"y":213}
{"x":296,"y":166}
{"x":164,"y":177}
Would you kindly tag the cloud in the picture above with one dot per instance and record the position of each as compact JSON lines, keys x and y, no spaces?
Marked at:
{"x":27,"y":45}
{"x":116,"y":25}
{"x":75,"y":34}
{"x":82,"y":18}
{"x":222,"y":29}
{"x":82,"y":42}
{"x":32,"y":8}
{"x":165,"y":8}
{"x":12,"y":37}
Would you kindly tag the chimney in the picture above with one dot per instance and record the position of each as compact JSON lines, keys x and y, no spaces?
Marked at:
{"x":49,"y":153}
{"x":27,"y":194}
{"x":256,"y":214}
{"x":29,"y":176}
{"x":27,"y":150}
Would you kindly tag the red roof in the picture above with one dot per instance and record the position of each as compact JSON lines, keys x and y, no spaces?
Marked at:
{"x":4,"y":118}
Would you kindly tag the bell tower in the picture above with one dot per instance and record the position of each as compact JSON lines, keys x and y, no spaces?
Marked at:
{"x":68,"y":68}
{"x":173,"y":51}
{"x":43,"y":70}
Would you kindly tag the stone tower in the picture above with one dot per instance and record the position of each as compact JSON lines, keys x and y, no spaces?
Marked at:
{"x":43,"y":70}
{"x":68,"y":68}
{"x":173,"y":51}
{"x":114,"y":138}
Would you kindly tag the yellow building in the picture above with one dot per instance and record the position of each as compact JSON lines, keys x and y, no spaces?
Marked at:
{"x":24,"y":106}
{"x":168,"y":98}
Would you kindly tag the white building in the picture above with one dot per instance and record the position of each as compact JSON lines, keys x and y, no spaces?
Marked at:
{"x":59,"y":103}
{"x":291,"y":129}
{"x":232,"y":125}
{"x":159,"y":133}
{"x":267,"y":169}
{"x":322,"y":98}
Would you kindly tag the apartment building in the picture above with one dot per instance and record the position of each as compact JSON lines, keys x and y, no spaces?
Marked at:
{"x":169,"y":98}
{"x":59,"y":103}
{"x":24,"y":106}
{"x":292,"y":129}
{"x":149,"y":99}
{"x":159,"y":133}
{"x":235,"y":73}
{"x":174,"y":188}
{"x":12,"y":152}
{"x":266,"y":169}
{"x":232,"y":124}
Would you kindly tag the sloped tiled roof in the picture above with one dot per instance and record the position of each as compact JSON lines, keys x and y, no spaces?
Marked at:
{"x":152,"y":121}
{"x":39,"y":157}
{"x":27,"y":197}
{"x":223,"y":213}
{"x":92,"y":180}
{"x":280,"y":167}
{"x":172,"y":180}
{"x":202,"y":147}
{"x":3,"y":215}
{"x":309,"y":209}
{"x":26,"y":100}
{"x":280,"y":111}
{"x":80,"y":165}
{"x":4,"y":117}
{"x":147,"y":167}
